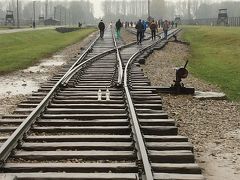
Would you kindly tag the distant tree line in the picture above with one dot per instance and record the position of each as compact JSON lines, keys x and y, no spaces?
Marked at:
{"x":125,"y":10}
{"x":67,"y":12}
{"x":164,"y":9}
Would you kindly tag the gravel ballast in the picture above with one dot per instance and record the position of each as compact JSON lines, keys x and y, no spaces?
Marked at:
{"x":213,"y":126}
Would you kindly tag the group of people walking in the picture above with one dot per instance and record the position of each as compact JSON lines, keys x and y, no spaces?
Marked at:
{"x":141,"y":27}
{"x":118,"y":26}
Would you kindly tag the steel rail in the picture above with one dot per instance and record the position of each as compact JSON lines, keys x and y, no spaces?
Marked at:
{"x":18,"y":134}
{"x":67,"y":78}
{"x":120,"y":63}
{"x":12,"y":141}
{"x":84,"y":64}
{"x":143,"y":156}
{"x":134,"y":120}
{"x":83,"y":55}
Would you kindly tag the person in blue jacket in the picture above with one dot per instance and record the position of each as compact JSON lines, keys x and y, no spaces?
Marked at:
{"x":144,"y":28}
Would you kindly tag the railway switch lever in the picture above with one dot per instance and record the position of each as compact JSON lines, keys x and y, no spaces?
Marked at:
{"x":181,"y":73}
{"x":178,"y":87}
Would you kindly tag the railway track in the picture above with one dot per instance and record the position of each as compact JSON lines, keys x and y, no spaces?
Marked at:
{"x":64,"y":131}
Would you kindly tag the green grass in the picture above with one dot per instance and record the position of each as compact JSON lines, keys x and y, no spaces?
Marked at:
{"x":23,"y":49}
{"x":215,"y":56}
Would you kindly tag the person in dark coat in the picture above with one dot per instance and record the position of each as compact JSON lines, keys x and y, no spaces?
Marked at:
{"x":153,"y":27}
{"x":101,"y":27}
{"x":165,"y":29}
{"x":118,"y":28}
{"x":140,"y":28}
{"x":131,"y":23}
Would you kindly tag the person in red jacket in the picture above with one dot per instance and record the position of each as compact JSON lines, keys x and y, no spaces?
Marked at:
{"x":154,"y":28}
{"x":165,"y":29}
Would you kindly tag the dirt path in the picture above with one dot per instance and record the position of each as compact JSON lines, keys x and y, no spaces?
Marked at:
{"x":8,"y":31}
{"x":16,"y":87}
{"x":212,"y":126}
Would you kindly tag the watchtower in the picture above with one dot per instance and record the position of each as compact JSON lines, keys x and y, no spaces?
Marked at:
{"x":9,"y":18}
{"x":222,"y":17}
{"x":41,"y":20}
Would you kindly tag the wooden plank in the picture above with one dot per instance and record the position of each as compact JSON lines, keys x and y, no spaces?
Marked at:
{"x":152,"y":106}
{"x":149,"y":111}
{"x":3,"y":138}
{"x":154,"y":138}
{"x":85,"y":116}
{"x":175,"y":156}
{"x":182,"y":168}
{"x":161,"y":146}
{"x":119,"y":146}
{"x":89,"y":129}
{"x":11,"y":121}
{"x":73,"y":122}
{"x":84,"y":111}
{"x":97,"y":105}
{"x":86,"y":93}
{"x":26,"y":105}
{"x":71,"y":167}
{"x":94,"y":97}
{"x":159,"y":130}
{"x":157,"y":122}
{"x":7,"y":129}
{"x":84,"y":155}
{"x":169,"y":176}
{"x":14,"y":116}
{"x":86,"y":101}
{"x":81,"y":138}
{"x":153,"y":115}
{"x":72,"y":176}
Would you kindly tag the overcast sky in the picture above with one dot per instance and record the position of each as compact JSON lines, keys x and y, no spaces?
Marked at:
{"x":98,"y":11}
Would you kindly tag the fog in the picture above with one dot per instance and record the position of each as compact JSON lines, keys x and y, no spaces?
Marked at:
{"x":89,"y":11}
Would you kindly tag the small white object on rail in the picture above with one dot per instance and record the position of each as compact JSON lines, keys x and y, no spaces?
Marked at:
{"x":107,"y":95}
{"x":99,"y":95}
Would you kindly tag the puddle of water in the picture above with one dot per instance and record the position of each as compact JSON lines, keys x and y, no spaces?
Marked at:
{"x":28,"y":80}
{"x":55,"y":61}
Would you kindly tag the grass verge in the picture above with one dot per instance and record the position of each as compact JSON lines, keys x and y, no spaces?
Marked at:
{"x":215,"y":56}
{"x":23,"y":49}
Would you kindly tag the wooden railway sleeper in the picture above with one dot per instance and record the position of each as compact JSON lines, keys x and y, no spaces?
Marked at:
{"x":76,"y":78}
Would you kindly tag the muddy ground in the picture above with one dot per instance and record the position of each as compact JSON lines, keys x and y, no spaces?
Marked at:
{"x":16,"y":87}
{"x":213,"y":126}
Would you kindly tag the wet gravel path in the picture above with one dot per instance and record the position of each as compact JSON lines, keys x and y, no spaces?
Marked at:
{"x":17,"y":86}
